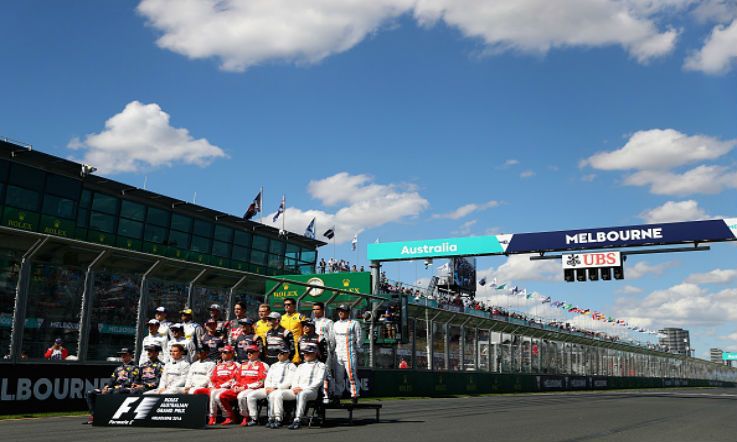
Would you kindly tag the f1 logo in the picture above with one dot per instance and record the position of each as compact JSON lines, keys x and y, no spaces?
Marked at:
{"x":142,"y":410}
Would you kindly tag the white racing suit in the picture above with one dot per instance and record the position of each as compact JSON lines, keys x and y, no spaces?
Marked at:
{"x":348,"y":343}
{"x":308,"y":377}
{"x":279,"y":377}
{"x":173,"y":377}
{"x":324,"y":328}
{"x":199,"y":375}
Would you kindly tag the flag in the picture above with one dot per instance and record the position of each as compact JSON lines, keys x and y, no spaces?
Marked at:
{"x":444,"y":268}
{"x":482,"y":281}
{"x":330,"y":233}
{"x":310,"y":230}
{"x":546,"y":300}
{"x":254,"y":208}
{"x":354,"y":242}
{"x":280,"y":210}
{"x":501,"y":286}
{"x":493,"y":283}
{"x":515,"y":290}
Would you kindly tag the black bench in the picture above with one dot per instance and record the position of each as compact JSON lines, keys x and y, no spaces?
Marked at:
{"x":319,"y":410}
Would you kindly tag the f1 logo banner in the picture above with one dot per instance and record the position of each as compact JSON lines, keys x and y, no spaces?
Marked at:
{"x":185,"y":411}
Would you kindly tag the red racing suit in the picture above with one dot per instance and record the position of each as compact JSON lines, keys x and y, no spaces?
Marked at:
{"x":250,"y":376}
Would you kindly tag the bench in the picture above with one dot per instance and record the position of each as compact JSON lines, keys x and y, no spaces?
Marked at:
{"x":319,"y":410}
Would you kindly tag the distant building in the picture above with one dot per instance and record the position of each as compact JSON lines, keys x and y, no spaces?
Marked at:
{"x":715,"y":355}
{"x":676,"y":340}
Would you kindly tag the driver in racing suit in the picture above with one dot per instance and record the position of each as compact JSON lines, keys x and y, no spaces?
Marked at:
{"x":348,"y":343}
{"x":249,"y":377}
{"x":223,"y":378}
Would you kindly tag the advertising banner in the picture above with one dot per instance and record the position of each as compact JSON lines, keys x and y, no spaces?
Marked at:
{"x":178,"y":411}
{"x":591,"y":260}
{"x":686,"y":232}
{"x":729,"y":356}
{"x":356,"y":282}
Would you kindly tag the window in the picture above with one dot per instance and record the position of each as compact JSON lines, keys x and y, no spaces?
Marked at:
{"x":154,"y":234}
{"x":181,"y":223}
{"x":158,"y":217}
{"x":276,"y":247}
{"x":276,"y":261}
{"x":132,"y":210}
{"x":83,"y":218}
{"x":178,"y":239}
{"x":27,"y":177}
{"x":111,"y":324}
{"x":260,"y":243}
{"x":202,"y":228}
{"x":130,"y":229}
{"x":22,"y":198}
{"x":223,"y":233}
{"x":63,"y":186}
{"x":56,"y":206}
{"x":4,"y":166}
{"x":221,"y":249}
{"x":85,"y":199}
{"x":241,"y":253}
{"x":258,"y":258}
{"x":102,"y":222}
{"x":200,"y":244}
{"x":105,"y":203}
{"x":9,"y":270}
{"x":242,"y":238}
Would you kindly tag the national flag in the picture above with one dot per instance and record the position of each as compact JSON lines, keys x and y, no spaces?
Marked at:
{"x":501,"y":286}
{"x":281,"y":208}
{"x":493,"y":283}
{"x":330,"y":233}
{"x":354,"y":242}
{"x":482,"y":282}
{"x":310,"y":230}
{"x":254,"y":208}
{"x":546,"y":300}
{"x":515,"y":290}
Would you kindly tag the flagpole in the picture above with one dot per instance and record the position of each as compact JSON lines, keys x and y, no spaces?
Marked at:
{"x":261,"y":204}
{"x":284,"y":215}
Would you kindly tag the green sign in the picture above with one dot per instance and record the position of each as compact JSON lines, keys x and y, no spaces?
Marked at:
{"x":435,"y":248}
{"x":729,"y":356}
{"x":20,"y":219}
{"x":356,"y":282}
{"x":55,"y":226}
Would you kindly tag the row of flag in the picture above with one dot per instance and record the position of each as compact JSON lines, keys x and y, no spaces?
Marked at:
{"x":257,"y":205}
{"x":563,"y":305}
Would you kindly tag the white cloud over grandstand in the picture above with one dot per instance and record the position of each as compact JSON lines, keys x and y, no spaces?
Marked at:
{"x":672,"y":211}
{"x":364,"y":205}
{"x":141,"y":137}
{"x":242,"y":34}
{"x":467,"y":209}
{"x":642,"y":269}
{"x":682,"y":305}
{"x":716,"y":276}
{"x":653,"y":157}
{"x":519,"y":268}
{"x":630,"y":290}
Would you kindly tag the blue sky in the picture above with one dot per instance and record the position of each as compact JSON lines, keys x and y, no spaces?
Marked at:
{"x":386,"y":117}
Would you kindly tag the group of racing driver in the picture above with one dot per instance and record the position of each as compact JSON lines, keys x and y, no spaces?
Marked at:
{"x":279,"y":357}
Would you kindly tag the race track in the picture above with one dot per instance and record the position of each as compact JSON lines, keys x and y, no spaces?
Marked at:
{"x":687,"y":415}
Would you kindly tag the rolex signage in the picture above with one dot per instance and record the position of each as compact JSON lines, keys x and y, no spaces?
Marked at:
{"x":356,"y":282}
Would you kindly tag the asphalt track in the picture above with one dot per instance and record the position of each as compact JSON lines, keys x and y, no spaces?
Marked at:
{"x":689,"y":415}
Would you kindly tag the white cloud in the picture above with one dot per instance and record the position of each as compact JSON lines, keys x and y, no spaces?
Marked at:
{"x":366,"y":205}
{"x":701,"y":179}
{"x":653,"y":154}
{"x":588,"y":178}
{"x":511,"y":162}
{"x":683,"y":305}
{"x":630,"y":290}
{"x":242,"y":34}
{"x":539,"y":25}
{"x":467,"y":209}
{"x":719,"y":11}
{"x":672,"y":211}
{"x":465,"y":228}
{"x":660,"y":149}
{"x":642,"y":269}
{"x":527,"y":174}
{"x":718,"y":53}
{"x":519,"y":268}
{"x":141,"y":137}
{"x":716,"y":276}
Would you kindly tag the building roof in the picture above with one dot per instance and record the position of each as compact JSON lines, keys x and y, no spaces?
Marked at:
{"x":25,"y":154}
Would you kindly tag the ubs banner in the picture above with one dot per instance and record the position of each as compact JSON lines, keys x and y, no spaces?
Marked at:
{"x":29,"y":388}
{"x":181,"y":411}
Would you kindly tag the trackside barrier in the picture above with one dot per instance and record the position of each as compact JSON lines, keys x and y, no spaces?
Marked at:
{"x":44,"y":387}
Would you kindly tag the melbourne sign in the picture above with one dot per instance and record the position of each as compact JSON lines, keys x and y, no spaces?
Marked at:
{"x":185,"y":411}
{"x":688,"y":232}
{"x":591,"y":260}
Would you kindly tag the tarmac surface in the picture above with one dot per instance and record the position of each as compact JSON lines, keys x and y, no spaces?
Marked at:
{"x":693,"y":415}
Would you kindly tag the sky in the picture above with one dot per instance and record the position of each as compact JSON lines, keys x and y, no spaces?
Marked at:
{"x":411,"y":119}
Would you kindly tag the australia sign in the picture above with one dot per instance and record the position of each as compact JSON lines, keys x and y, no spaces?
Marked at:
{"x":688,"y":232}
